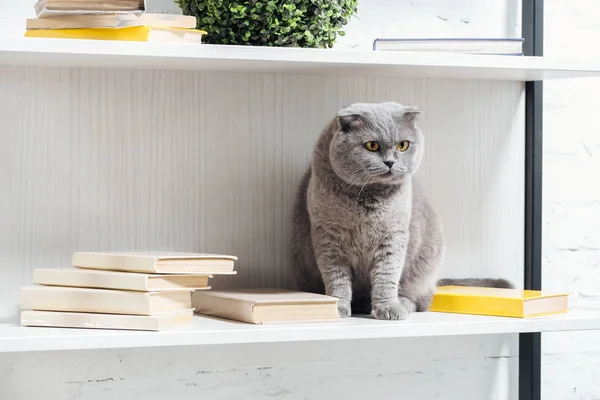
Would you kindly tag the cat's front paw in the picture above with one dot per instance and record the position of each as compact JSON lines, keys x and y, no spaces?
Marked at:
{"x":344,"y":309}
{"x":392,"y":311}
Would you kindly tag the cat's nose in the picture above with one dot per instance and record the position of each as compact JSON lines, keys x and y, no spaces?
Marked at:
{"x":390,"y":164}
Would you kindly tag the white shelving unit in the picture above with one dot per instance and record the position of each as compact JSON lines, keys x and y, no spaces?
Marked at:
{"x":124,"y":146}
{"x":98,"y":54}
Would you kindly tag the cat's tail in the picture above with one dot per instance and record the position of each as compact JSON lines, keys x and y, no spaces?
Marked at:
{"x":482,"y":282}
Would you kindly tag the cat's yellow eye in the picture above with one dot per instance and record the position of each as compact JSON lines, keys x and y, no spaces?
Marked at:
{"x":372,"y":146}
{"x":403,"y":145}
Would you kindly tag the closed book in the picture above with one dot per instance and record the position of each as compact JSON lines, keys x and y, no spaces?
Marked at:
{"x":498,"y":302}
{"x":54,"y":298}
{"x":151,"y":34}
{"x":115,"y":20}
{"x":61,"y":319}
{"x":499,"y":46}
{"x":264,"y":306}
{"x":88,"y":278}
{"x":45,"y":8}
{"x":157,"y":263}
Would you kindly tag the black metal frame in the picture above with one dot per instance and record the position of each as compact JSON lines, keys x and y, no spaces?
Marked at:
{"x":530,"y":343}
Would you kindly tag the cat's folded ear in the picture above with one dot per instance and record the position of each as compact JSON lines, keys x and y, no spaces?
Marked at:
{"x":411,"y":115}
{"x":350,"y":122}
{"x":350,"y":118}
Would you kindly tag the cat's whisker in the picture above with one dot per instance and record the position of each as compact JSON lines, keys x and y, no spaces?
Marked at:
{"x":355,"y":179}
{"x":362,"y":182}
{"x":361,"y":190}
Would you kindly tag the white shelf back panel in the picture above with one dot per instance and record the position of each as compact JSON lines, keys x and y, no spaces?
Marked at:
{"x":102,"y":159}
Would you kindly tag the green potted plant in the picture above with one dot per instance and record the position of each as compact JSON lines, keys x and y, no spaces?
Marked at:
{"x":285,"y":23}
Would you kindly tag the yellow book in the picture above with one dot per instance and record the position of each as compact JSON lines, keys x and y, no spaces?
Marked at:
{"x":154,"y":34}
{"x":498,"y":302}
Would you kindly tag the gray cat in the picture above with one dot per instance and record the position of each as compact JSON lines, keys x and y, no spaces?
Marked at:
{"x":362,"y":229}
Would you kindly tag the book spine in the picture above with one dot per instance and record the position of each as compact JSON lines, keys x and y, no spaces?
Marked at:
{"x":221,"y":307}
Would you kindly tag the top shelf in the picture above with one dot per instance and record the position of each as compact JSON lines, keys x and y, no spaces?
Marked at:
{"x":135,"y":55}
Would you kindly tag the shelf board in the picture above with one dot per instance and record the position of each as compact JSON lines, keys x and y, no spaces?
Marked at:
{"x":135,"y":55}
{"x":210,"y":331}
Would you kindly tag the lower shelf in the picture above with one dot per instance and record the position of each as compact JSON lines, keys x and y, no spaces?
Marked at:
{"x":209,"y":331}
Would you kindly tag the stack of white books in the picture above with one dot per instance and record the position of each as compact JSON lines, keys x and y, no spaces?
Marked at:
{"x":139,"y":291}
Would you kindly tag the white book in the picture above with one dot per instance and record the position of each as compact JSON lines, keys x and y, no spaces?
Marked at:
{"x":113,"y":20}
{"x":46,"y":13}
{"x":265,"y":306}
{"x":88,"y":278}
{"x":54,"y":298}
{"x":157,"y":262}
{"x":45,"y":8}
{"x":61,"y":319}
{"x":500,"y":46}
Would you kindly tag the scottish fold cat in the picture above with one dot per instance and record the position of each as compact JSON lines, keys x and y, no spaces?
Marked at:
{"x":362,"y":229}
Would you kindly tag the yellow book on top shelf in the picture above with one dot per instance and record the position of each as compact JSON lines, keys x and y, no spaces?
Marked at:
{"x":155,"y":34}
{"x":498,"y":302}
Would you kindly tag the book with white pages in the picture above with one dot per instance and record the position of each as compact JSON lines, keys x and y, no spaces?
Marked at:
{"x":157,"y":262}
{"x":88,"y":278}
{"x":489,"y":46}
{"x":112,"y":20}
{"x":49,"y":8}
{"x":74,"y":299}
{"x":62,"y":319}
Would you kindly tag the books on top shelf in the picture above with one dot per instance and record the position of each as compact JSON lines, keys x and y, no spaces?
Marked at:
{"x":122,"y":20}
{"x":264,"y":306}
{"x":498,"y":302}
{"x":491,"y":46}
{"x":121,"y":290}
{"x":150,"y":34}
{"x":113,"y":20}
{"x":44,"y":8}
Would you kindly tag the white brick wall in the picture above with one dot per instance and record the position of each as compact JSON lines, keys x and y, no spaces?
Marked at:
{"x":571,"y":362}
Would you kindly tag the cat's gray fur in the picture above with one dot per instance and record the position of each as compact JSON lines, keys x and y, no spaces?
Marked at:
{"x":363,"y":231}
